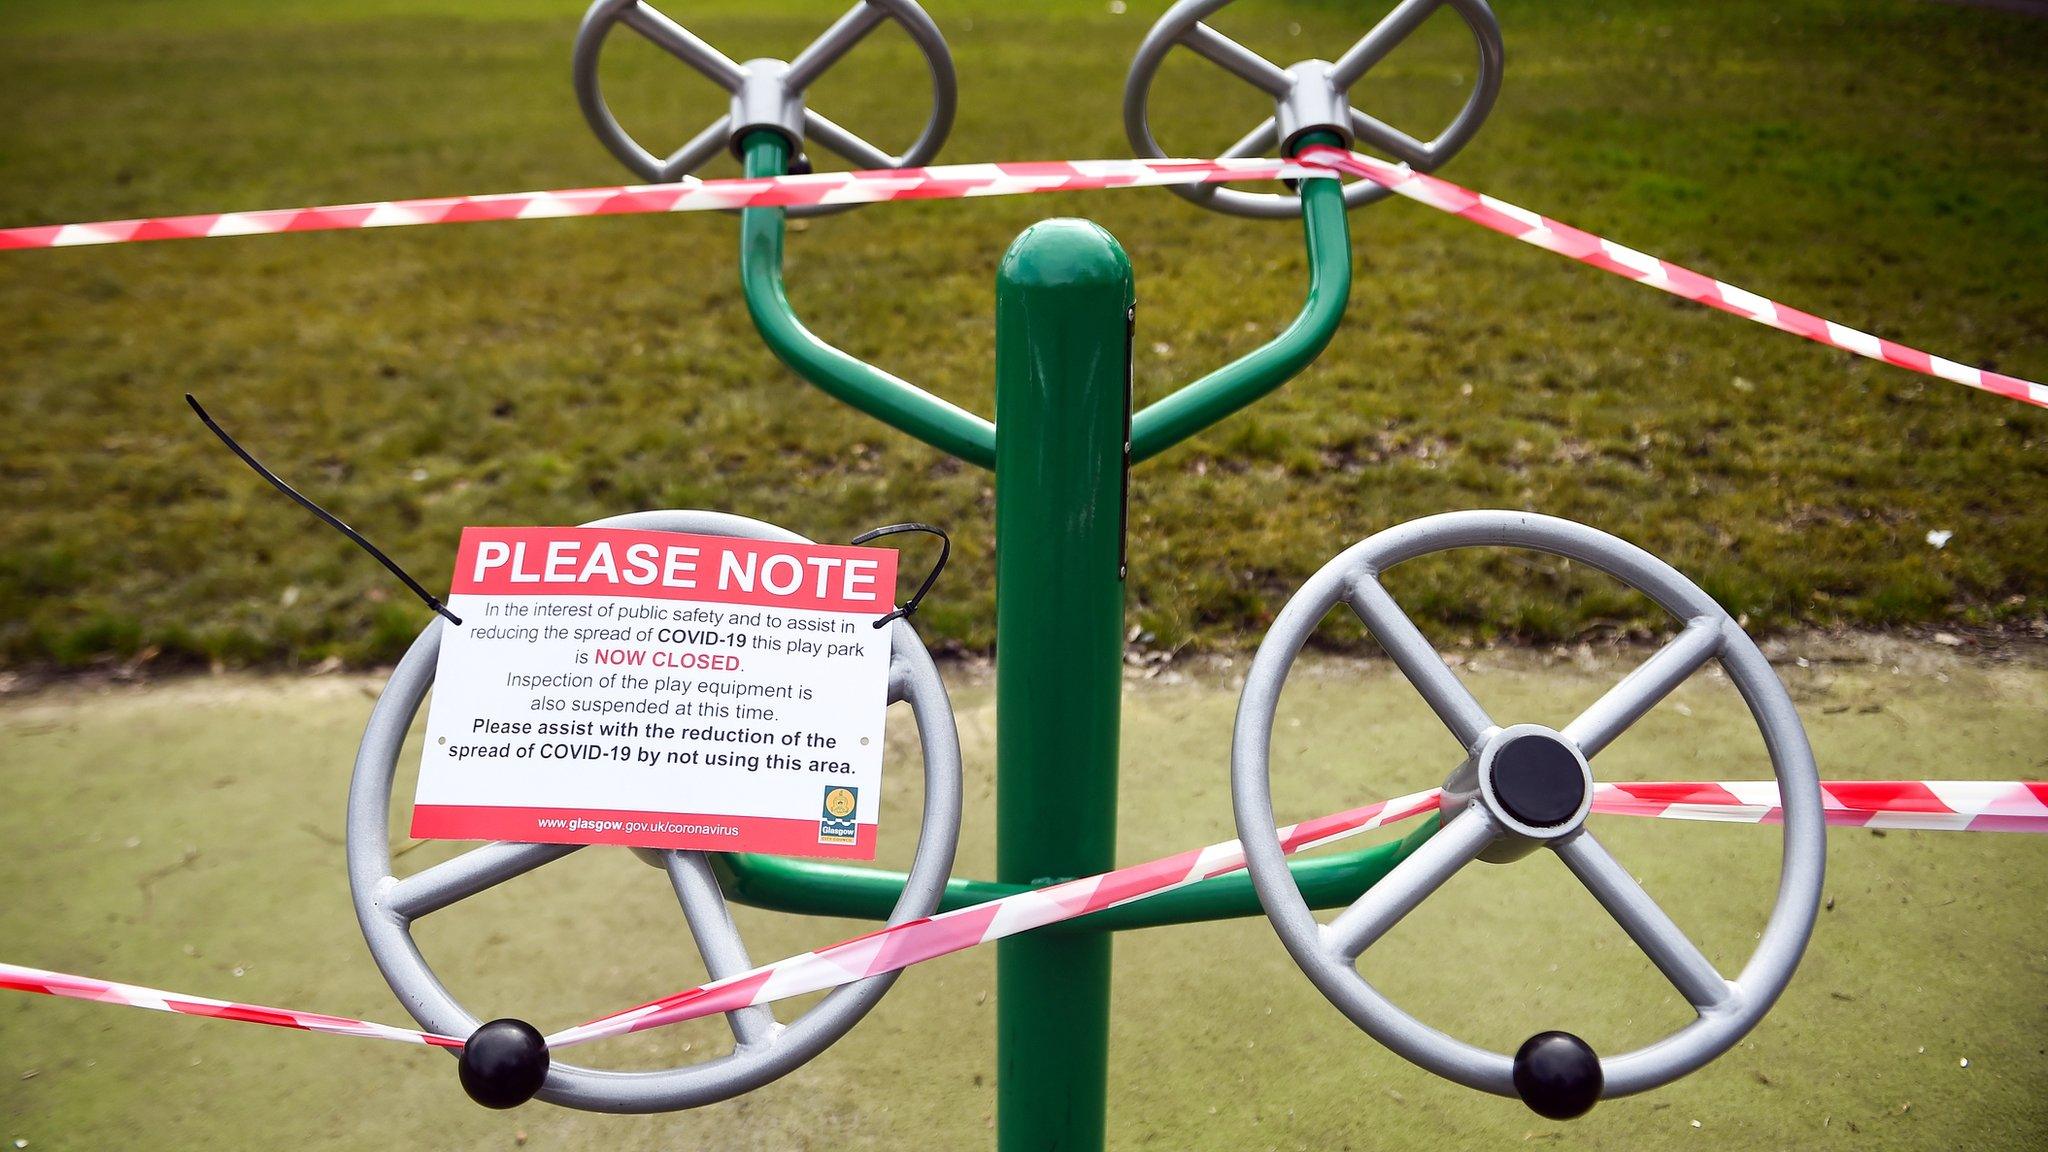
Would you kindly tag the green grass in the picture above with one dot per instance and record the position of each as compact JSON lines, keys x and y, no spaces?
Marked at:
{"x":1881,"y":164}
{"x":187,"y":837}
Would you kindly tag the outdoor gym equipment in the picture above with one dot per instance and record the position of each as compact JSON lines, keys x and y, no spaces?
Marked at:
{"x":1522,"y":787}
{"x":764,"y":1049}
{"x":1062,"y":444}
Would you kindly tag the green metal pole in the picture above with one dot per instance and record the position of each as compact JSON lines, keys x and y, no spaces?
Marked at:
{"x":1063,"y":404}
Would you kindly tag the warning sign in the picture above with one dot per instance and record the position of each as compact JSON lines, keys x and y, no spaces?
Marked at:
{"x":660,"y":689}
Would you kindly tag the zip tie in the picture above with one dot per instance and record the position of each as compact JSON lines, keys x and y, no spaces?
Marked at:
{"x":333,"y":521}
{"x":917,"y":597}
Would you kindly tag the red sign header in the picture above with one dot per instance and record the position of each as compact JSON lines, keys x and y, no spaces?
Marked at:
{"x":674,"y":566}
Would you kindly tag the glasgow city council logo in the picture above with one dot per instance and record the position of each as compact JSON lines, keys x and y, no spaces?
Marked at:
{"x":836,"y":824}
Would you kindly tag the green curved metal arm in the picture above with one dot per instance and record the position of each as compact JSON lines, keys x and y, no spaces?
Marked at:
{"x":958,"y":432}
{"x":815,"y":888}
{"x":1327,"y":231}
{"x":895,"y":402}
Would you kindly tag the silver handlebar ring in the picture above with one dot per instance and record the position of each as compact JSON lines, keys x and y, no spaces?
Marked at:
{"x":764,"y":1049}
{"x":1310,"y":96}
{"x":1483,"y":821}
{"x":766,"y":94}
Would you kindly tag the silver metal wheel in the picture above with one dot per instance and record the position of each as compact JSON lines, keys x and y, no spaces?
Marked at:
{"x":1525,"y":787}
{"x":766,"y":94}
{"x":764,"y":1050}
{"x":1310,"y":96}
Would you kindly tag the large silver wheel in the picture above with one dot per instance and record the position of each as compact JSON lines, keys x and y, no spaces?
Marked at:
{"x":766,"y":94}
{"x":764,"y":1049}
{"x":1310,"y":96}
{"x":1525,"y":787}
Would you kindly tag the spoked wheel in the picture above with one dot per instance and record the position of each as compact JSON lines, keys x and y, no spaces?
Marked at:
{"x":765,"y":94}
{"x":1524,"y":787}
{"x":1310,"y":96}
{"x":763,"y":1049}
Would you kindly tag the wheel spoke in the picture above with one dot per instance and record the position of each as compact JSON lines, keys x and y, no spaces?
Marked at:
{"x":845,"y":143}
{"x":1640,"y":690}
{"x":833,"y":44}
{"x":1412,"y":653}
{"x":1664,"y":942}
{"x":1238,"y":60}
{"x":466,"y":875}
{"x":1385,"y":36}
{"x":701,"y":147}
{"x":1389,"y":139}
{"x":718,"y":939}
{"x":684,"y":45}
{"x":1424,"y":871}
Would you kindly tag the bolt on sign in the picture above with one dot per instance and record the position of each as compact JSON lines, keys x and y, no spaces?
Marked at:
{"x":660,"y":689}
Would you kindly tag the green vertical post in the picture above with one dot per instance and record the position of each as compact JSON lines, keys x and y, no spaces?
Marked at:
{"x":1063,"y":404}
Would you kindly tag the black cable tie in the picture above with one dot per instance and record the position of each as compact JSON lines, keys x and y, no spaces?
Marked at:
{"x":945,"y":553}
{"x":333,"y":521}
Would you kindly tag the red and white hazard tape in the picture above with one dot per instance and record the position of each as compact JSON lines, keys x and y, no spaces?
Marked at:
{"x":945,"y":182}
{"x":1941,"y":805}
{"x":1935,"y":805}
{"x":1565,"y":240}
{"x":37,"y":980}
{"x":954,"y":181}
{"x":905,"y":944}
{"x":1931,"y":805}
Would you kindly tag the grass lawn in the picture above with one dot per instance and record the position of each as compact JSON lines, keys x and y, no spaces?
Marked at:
{"x":188,"y":837}
{"x":1881,"y":164}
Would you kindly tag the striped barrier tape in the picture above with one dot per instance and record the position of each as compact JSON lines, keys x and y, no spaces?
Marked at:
{"x":908,"y":943}
{"x":955,"y":181}
{"x":942,"y":182}
{"x":1928,"y":805}
{"x":1943,"y":805}
{"x":1565,"y":240}
{"x":1935,"y":805}
{"x":37,"y":980}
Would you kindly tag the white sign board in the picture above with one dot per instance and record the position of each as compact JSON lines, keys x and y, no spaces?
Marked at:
{"x":660,"y":689}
